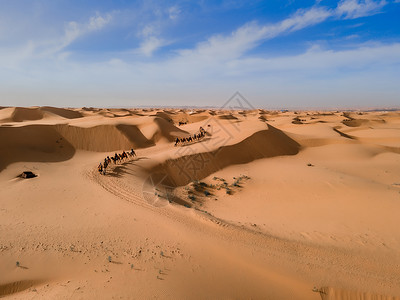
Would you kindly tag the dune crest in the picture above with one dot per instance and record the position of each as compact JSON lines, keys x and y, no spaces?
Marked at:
{"x":21,"y":114}
{"x":62,"y":112}
{"x":262,"y":144}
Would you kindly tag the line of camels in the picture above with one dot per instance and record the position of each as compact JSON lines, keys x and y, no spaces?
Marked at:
{"x":125,"y":155}
{"x":118,"y":157}
{"x":192,"y":138}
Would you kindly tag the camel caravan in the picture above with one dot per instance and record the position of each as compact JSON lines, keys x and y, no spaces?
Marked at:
{"x":191,"y":139}
{"x":117,"y":158}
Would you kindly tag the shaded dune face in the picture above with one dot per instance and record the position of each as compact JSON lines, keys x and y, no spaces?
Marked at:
{"x":182,"y":116}
{"x":262,"y":144}
{"x":103,"y":138}
{"x":344,"y":134}
{"x":62,"y":112}
{"x":227,"y":117}
{"x":21,"y":114}
{"x":164,"y":116}
{"x":133,"y":134}
{"x":12,"y":288}
{"x":41,"y":143}
{"x":167,"y":130}
{"x":55,"y":143}
{"x":330,"y":293}
{"x":354,"y":120}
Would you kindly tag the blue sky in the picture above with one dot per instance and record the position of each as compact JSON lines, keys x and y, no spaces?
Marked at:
{"x":278,"y":54}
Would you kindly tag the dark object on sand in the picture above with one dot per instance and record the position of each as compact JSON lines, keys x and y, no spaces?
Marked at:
{"x":27,"y":174}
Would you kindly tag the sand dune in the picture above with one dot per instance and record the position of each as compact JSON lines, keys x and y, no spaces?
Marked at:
{"x":227,"y":117}
{"x":103,"y":138}
{"x":24,"y":114}
{"x":62,"y":112}
{"x":268,"y":205}
{"x":164,"y":116}
{"x":59,"y":142}
{"x":41,"y":143}
{"x":266,"y":143}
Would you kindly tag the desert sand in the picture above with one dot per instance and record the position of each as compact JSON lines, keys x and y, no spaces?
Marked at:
{"x":268,"y":205}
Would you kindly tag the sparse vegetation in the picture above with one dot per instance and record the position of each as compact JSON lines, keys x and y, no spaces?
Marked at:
{"x":198,"y":191}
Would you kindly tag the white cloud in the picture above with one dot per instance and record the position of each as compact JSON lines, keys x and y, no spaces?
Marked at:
{"x":352,"y":9}
{"x":304,"y":18}
{"x":118,"y":63}
{"x":174,"y":12}
{"x":251,"y":34}
{"x":361,"y":73}
{"x":318,"y":60}
{"x":148,"y":30}
{"x":150,"y":45}
{"x":98,"y":22}
{"x":73,"y":30}
{"x":245,"y":38}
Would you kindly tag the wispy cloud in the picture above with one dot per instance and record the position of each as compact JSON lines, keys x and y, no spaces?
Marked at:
{"x":74,"y":30}
{"x":251,"y":34}
{"x":316,"y":59}
{"x":148,"y":30}
{"x":352,"y":9}
{"x":174,"y":12}
{"x":150,"y":45}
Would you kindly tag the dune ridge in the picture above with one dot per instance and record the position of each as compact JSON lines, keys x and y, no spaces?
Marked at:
{"x":62,"y":112}
{"x":60,"y":141}
{"x":262,"y":144}
{"x":21,"y":114}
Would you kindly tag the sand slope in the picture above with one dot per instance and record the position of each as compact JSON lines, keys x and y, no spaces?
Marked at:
{"x":33,"y":143}
{"x":266,"y":143}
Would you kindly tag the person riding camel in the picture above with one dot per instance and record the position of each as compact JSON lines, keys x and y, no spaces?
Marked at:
{"x":100,"y":168}
{"x":105,"y":167}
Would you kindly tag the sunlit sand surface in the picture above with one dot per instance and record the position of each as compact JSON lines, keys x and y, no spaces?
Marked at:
{"x":267,"y":205}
